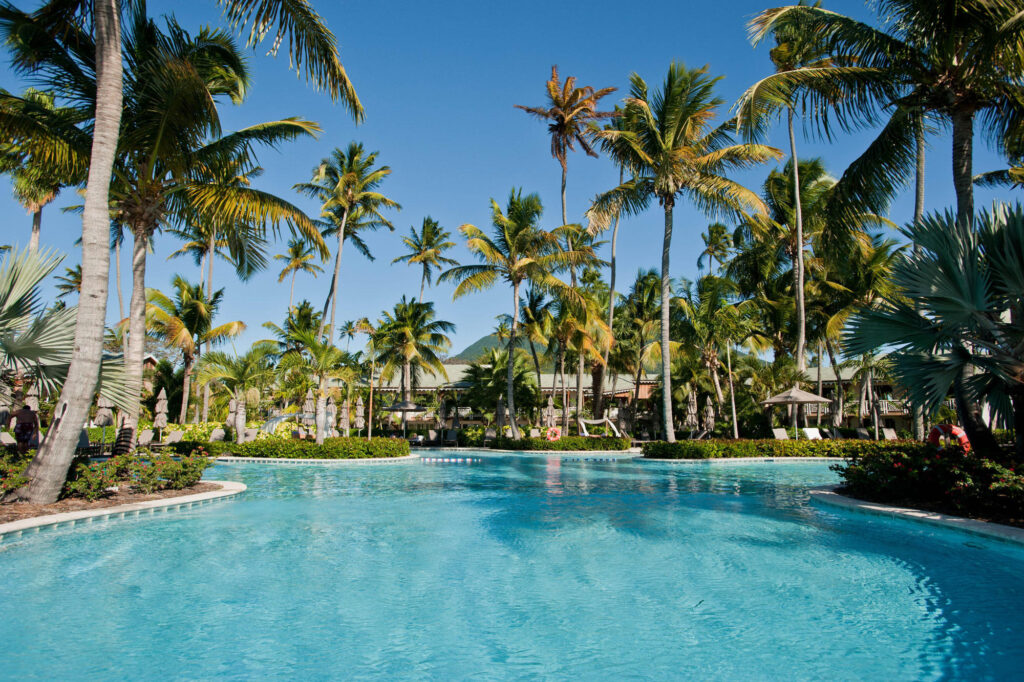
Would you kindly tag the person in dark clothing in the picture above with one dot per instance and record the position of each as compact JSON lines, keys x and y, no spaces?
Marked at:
{"x":26,"y":428}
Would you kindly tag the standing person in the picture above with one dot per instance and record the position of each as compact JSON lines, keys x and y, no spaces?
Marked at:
{"x":26,"y":428}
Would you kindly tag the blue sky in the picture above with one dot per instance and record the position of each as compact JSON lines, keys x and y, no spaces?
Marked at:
{"x":439,"y":81}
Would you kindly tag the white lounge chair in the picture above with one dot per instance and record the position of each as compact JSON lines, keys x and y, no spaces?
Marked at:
{"x":7,"y":439}
{"x":145,"y":438}
{"x":812,"y":433}
{"x":534,"y":433}
{"x":489,"y":435}
{"x":863,"y":434}
{"x":217,"y":435}
{"x":780,"y":434}
{"x":890,"y":434}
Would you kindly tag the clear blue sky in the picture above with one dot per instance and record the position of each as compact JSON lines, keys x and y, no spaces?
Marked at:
{"x":439,"y":81}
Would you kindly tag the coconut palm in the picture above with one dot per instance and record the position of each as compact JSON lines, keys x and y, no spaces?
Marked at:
{"x":517,"y":251}
{"x":637,"y":328}
{"x":299,"y":258}
{"x":957,"y":60}
{"x":312,"y":49}
{"x":322,"y":361}
{"x":410,"y":339}
{"x":669,"y":144}
{"x":426,"y":248}
{"x":487,"y":379}
{"x":346,"y":183}
{"x":717,"y":244}
{"x":241,"y":375}
{"x":185,"y":322}
{"x":569,"y":114}
{"x":68,"y":283}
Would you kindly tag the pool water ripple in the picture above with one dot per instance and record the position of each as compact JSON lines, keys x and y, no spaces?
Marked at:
{"x":515,"y":567}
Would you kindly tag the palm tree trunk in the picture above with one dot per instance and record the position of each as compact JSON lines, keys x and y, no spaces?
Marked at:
{"x":565,"y":170}
{"x":511,"y":361}
{"x":423,"y":284}
{"x":291,"y":291}
{"x":186,"y":389}
{"x":369,"y":406}
{"x":798,"y":261}
{"x":335,"y":281}
{"x":599,"y":402}
{"x":406,"y":391}
{"x":717,"y":383}
{"x":565,"y":392}
{"x":48,"y":469}
{"x":321,"y":413}
{"x":732,"y":392}
{"x":137,"y":324}
{"x":916,"y":409}
{"x":239,"y":416}
{"x":117,"y":279}
{"x":963,"y":173}
{"x":666,"y":303}
{"x":37,"y":223}
{"x":818,"y":408}
{"x":840,"y":403}
{"x":636,"y":396}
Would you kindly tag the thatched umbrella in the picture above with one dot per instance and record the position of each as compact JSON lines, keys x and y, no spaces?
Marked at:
{"x":104,"y":418}
{"x":691,"y":422}
{"x":344,"y":420}
{"x":709,"y":416}
{"x":332,"y":417}
{"x":309,"y":408}
{"x":160,"y":413}
{"x":360,"y":417}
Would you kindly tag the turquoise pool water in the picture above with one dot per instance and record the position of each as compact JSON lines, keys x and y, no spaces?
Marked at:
{"x":516,"y":567}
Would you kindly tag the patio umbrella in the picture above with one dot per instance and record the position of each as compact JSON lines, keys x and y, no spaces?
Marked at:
{"x":455,"y":418}
{"x":360,"y":414}
{"x":309,"y":407}
{"x":403,"y":406}
{"x":709,"y":416}
{"x":344,"y":419}
{"x":499,"y":415}
{"x":232,"y":409}
{"x":691,"y":413}
{"x":160,"y":413}
{"x":441,"y":414}
{"x":32,"y":397}
{"x":795,"y":396}
{"x":549,"y":413}
{"x":104,"y":418}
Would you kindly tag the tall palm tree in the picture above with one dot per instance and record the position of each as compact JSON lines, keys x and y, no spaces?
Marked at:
{"x":426,"y":248}
{"x":958,"y":60}
{"x":321,"y":360}
{"x":346,"y":183}
{"x":186,"y":321}
{"x":70,"y":282}
{"x":517,"y":250}
{"x":242,"y":376}
{"x":638,"y":328}
{"x":410,"y":339}
{"x":717,"y":243}
{"x":312,"y":49}
{"x":569,"y":112}
{"x":670,"y":145}
{"x":299,"y":258}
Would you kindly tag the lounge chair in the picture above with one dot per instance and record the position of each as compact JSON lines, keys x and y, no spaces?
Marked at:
{"x":836,"y":435}
{"x":812,"y":433}
{"x":250,"y":435}
{"x":534,"y":433}
{"x":145,"y":438}
{"x":7,"y":439}
{"x":780,"y":434}
{"x":431,"y":436}
{"x":174,"y":437}
{"x":863,"y":434}
{"x":489,"y":435}
{"x":890,"y":434}
{"x":698,"y":435}
{"x":451,"y":436}
{"x":217,"y":436}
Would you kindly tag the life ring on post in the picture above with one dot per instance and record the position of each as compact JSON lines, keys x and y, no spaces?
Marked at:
{"x":952,"y":431}
{"x":554,"y":433}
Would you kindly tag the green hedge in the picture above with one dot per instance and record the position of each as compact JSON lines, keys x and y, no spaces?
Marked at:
{"x":714,"y":449}
{"x":333,"y":448}
{"x":567,"y":443}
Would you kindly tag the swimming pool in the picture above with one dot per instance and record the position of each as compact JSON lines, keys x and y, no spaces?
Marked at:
{"x":515,"y":566}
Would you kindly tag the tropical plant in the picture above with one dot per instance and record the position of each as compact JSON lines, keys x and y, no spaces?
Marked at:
{"x":487,"y":379}
{"x":185,"y":322}
{"x":312,"y":49}
{"x":518,"y":250}
{"x":669,"y":145}
{"x":299,"y":258}
{"x":241,"y":375}
{"x":426,"y":249}
{"x":637,"y":327}
{"x":70,"y":282}
{"x":346,"y":184}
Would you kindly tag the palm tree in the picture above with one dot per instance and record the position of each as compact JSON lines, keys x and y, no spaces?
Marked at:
{"x":518,"y":250}
{"x":347,"y":330}
{"x":670,"y":146}
{"x":299,"y":258}
{"x":185,"y":322}
{"x":426,"y":248}
{"x":242,"y":375}
{"x":409,"y":339}
{"x":570,"y":112}
{"x":346,"y":183}
{"x":958,"y":60}
{"x":312,"y":49}
{"x":68,"y":283}
{"x":322,"y":361}
{"x":717,"y":243}
{"x":638,"y":326}
{"x":487,"y":379}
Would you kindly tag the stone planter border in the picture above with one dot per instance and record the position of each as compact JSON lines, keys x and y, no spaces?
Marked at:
{"x":14,"y":530}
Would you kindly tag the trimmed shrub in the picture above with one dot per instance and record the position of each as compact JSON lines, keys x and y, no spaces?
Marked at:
{"x":333,"y":448}
{"x":142,"y":471}
{"x":580,"y":443}
{"x":471,"y":437}
{"x":714,"y":449}
{"x":12,"y":470}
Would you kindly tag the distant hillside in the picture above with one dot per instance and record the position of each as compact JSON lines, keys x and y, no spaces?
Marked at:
{"x":476,"y":349}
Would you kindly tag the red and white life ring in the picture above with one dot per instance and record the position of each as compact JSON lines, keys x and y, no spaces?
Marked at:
{"x":554,"y":433}
{"x":953,"y":431}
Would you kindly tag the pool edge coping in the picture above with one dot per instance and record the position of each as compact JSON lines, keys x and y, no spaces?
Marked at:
{"x":987,"y":529}
{"x":16,"y":529}
{"x":350,"y":461}
{"x":723,"y":460}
